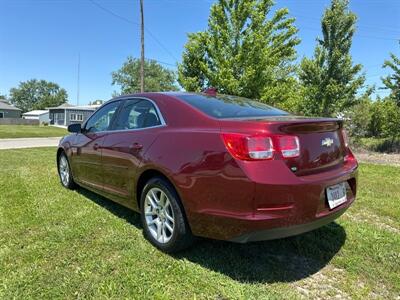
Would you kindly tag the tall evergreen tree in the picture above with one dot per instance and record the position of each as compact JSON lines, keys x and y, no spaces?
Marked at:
{"x":242,"y":52}
{"x":330,"y":79}
{"x":392,"y":81}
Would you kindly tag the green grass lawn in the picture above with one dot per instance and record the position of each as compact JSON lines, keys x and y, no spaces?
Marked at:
{"x":25,"y":131}
{"x":56,"y":243}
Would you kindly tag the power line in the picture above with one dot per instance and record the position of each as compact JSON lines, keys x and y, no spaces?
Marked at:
{"x":373,"y":66}
{"x":375,"y":75}
{"x":176,"y":59}
{"x":355,"y":35}
{"x":112,"y":13}
{"x":135,"y":23}
{"x":393,"y":29}
{"x":160,"y":44}
{"x":163,"y":62}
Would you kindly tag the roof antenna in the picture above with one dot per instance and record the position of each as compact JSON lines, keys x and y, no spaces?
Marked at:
{"x":78,"y":81}
{"x":142,"y":48}
{"x":212,"y":91}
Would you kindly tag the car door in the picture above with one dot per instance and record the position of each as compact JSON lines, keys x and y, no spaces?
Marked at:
{"x":88,"y":147}
{"x":134,"y":130}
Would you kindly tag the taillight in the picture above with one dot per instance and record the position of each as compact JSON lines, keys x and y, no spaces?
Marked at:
{"x":261,"y":147}
{"x":289,"y":146}
{"x":349,"y":156}
{"x":248,"y":147}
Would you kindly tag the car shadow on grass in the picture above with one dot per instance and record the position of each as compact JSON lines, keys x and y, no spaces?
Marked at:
{"x":283,"y":260}
{"x":118,"y":210}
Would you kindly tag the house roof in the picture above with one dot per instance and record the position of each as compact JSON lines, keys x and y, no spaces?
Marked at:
{"x":35,"y":113}
{"x":62,"y":106}
{"x":74,"y":107}
{"x":5,"y":105}
{"x":87,"y":107}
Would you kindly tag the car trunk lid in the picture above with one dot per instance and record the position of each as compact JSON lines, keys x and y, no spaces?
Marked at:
{"x":321,"y":141}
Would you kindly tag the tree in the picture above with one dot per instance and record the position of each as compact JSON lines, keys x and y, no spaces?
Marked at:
{"x":37,"y":94}
{"x":3,"y":97}
{"x":360,"y":117}
{"x":242,"y":52}
{"x":377,"y":119}
{"x":330,"y":79}
{"x":157,"y":78}
{"x":392,"y":82}
{"x":391,"y":124}
{"x":97,"y":102}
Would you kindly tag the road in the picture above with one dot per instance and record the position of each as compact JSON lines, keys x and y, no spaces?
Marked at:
{"x":29,"y":142}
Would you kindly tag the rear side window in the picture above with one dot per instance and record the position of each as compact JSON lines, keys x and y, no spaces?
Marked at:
{"x":224,"y":106}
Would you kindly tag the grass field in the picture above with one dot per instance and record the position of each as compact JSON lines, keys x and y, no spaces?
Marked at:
{"x":56,"y":243}
{"x":25,"y":131}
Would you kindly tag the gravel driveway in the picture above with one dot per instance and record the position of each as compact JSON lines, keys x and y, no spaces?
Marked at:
{"x":379,"y":158}
{"x":29,"y":142}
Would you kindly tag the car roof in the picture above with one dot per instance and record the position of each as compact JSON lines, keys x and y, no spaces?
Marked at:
{"x":148,"y":94}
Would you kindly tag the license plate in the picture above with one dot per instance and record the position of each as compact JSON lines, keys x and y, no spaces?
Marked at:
{"x":336,"y":195}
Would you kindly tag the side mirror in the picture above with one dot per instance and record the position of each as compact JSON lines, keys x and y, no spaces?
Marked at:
{"x":75,"y":128}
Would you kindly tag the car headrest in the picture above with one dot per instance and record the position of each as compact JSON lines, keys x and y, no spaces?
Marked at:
{"x":147,"y":119}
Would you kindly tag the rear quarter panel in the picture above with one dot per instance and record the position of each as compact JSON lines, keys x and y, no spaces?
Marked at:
{"x":205,"y":176}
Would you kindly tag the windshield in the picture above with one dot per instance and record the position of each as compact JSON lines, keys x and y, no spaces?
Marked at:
{"x":224,"y":106}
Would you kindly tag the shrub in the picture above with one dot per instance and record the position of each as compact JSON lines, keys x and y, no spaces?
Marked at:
{"x":379,"y":144}
{"x":358,"y":119}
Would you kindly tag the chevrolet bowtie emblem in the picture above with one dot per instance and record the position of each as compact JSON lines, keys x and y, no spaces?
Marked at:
{"x":327,"y":142}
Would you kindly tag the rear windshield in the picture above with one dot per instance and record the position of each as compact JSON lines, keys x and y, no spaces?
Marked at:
{"x":224,"y":106}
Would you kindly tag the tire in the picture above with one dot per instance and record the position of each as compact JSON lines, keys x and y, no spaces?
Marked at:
{"x":64,"y":172}
{"x":163,"y":219}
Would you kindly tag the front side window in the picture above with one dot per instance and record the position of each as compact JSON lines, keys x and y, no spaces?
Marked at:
{"x":101,"y":120}
{"x":136,"y":114}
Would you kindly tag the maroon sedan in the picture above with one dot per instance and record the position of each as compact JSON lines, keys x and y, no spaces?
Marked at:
{"x":214,"y":166}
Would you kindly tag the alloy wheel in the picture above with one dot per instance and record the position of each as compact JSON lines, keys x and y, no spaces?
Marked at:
{"x":159,"y":215}
{"x":64,"y":170}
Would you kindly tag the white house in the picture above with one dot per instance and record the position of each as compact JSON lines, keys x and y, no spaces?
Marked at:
{"x":41,"y":115}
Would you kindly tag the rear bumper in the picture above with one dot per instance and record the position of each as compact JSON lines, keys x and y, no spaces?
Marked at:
{"x":277,"y":233}
{"x":279,"y":209}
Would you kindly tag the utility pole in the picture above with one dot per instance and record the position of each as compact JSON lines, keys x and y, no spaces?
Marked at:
{"x":142,"y":52}
{"x":78,"y":81}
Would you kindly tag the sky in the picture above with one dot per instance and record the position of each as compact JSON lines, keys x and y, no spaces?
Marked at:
{"x":43,"y":38}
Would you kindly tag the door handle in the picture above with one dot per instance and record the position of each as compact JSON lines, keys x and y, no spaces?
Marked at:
{"x":135,"y":147}
{"x":96,"y":147}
